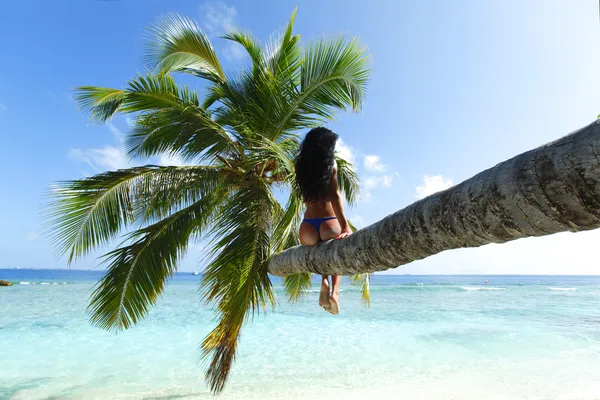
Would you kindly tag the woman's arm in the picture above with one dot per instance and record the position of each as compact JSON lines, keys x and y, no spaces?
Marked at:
{"x":338,"y":208}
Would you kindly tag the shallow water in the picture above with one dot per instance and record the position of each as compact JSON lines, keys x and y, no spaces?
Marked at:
{"x":423,"y":337}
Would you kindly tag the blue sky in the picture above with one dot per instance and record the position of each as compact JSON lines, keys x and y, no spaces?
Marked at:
{"x":456,"y":88}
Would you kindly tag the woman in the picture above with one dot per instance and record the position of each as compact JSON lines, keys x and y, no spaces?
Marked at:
{"x":316,"y":178}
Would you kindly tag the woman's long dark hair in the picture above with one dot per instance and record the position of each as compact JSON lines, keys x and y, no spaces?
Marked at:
{"x":314,"y":164}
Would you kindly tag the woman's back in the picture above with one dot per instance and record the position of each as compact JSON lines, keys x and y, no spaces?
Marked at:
{"x":319,"y":209}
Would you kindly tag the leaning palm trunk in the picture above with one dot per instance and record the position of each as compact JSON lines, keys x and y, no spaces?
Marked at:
{"x":554,"y":188}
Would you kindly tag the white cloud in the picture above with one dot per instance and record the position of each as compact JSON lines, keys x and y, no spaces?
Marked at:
{"x":217,"y":17}
{"x":116,"y":132}
{"x":374,"y":182}
{"x":32,"y":236}
{"x":345,"y":152}
{"x":130,"y":122}
{"x":235,"y":52}
{"x":373,"y":163}
{"x":2,"y":108}
{"x":431,"y":185}
{"x":171,"y":160}
{"x":112,"y":158}
{"x":364,"y":196}
{"x":108,"y":158}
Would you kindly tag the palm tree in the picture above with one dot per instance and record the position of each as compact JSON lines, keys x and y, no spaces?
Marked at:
{"x":240,"y":140}
{"x":553,"y":188}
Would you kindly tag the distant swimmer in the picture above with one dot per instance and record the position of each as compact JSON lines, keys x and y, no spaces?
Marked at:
{"x":486,"y":282}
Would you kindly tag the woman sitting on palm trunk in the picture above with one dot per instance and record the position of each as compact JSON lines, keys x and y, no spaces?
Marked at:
{"x":324,"y":219}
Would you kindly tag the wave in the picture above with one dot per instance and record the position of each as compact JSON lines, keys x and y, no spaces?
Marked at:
{"x":474,"y":288}
{"x":563,"y":288}
{"x":43,"y":283}
{"x":433,"y":288}
{"x":319,"y":290}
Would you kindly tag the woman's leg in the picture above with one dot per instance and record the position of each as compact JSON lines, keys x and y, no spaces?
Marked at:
{"x":330,"y":230}
{"x":336,"y":280}
{"x":324,"y":293}
{"x":310,"y":237}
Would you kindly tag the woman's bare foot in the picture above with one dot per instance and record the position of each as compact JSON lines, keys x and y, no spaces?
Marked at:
{"x":324,"y":294}
{"x":334,"y":302}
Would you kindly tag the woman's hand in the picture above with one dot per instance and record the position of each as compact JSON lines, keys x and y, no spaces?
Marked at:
{"x":345,"y":232}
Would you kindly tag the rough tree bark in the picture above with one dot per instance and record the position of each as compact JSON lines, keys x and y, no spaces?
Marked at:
{"x":551,"y":189}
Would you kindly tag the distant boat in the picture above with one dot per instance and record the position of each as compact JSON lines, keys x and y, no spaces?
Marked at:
{"x":195,"y":273}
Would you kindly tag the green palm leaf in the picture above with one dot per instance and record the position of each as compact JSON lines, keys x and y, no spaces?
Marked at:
{"x":283,"y":54}
{"x":101,"y":103}
{"x":362,"y":282}
{"x":348,"y":181}
{"x":249,"y":43}
{"x":178,"y":44}
{"x":189,"y":135}
{"x":296,"y":286}
{"x":236,"y":279}
{"x":334,"y":75}
{"x":145,"y":92}
{"x":137,"y":272}
{"x":172,"y":121}
{"x":176,"y":188}
{"x":87,"y":213}
{"x":155,"y":92}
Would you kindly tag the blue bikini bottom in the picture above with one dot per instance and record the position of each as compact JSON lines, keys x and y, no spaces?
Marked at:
{"x":317,"y":222}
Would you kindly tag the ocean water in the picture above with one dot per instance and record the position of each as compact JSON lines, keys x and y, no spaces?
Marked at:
{"x":438,"y":337}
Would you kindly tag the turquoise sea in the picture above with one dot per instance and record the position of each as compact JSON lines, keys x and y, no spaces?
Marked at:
{"x":438,"y":337}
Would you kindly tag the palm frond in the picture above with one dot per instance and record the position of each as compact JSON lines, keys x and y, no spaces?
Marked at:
{"x":362,"y":282}
{"x":189,"y":135}
{"x":84,"y":214}
{"x":214,"y":94}
{"x":158,"y":91}
{"x":285,"y":234}
{"x":283,"y":54}
{"x":249,"y":43}
{"x":334,"y":76}
{"x":178,"y":44}
{"x":335,"y":73}
{"x":236,"y":279}
{"x":145,"y":92}
{"x":348,"y":181}
{"x":276,"y":158}
{"x":296,"y":286}
{"x":137,"y":272}
{"x":171,"y":120}
{"x":101,"y":103}
{"x":176,"y":188}
{"x":87,"y":213}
